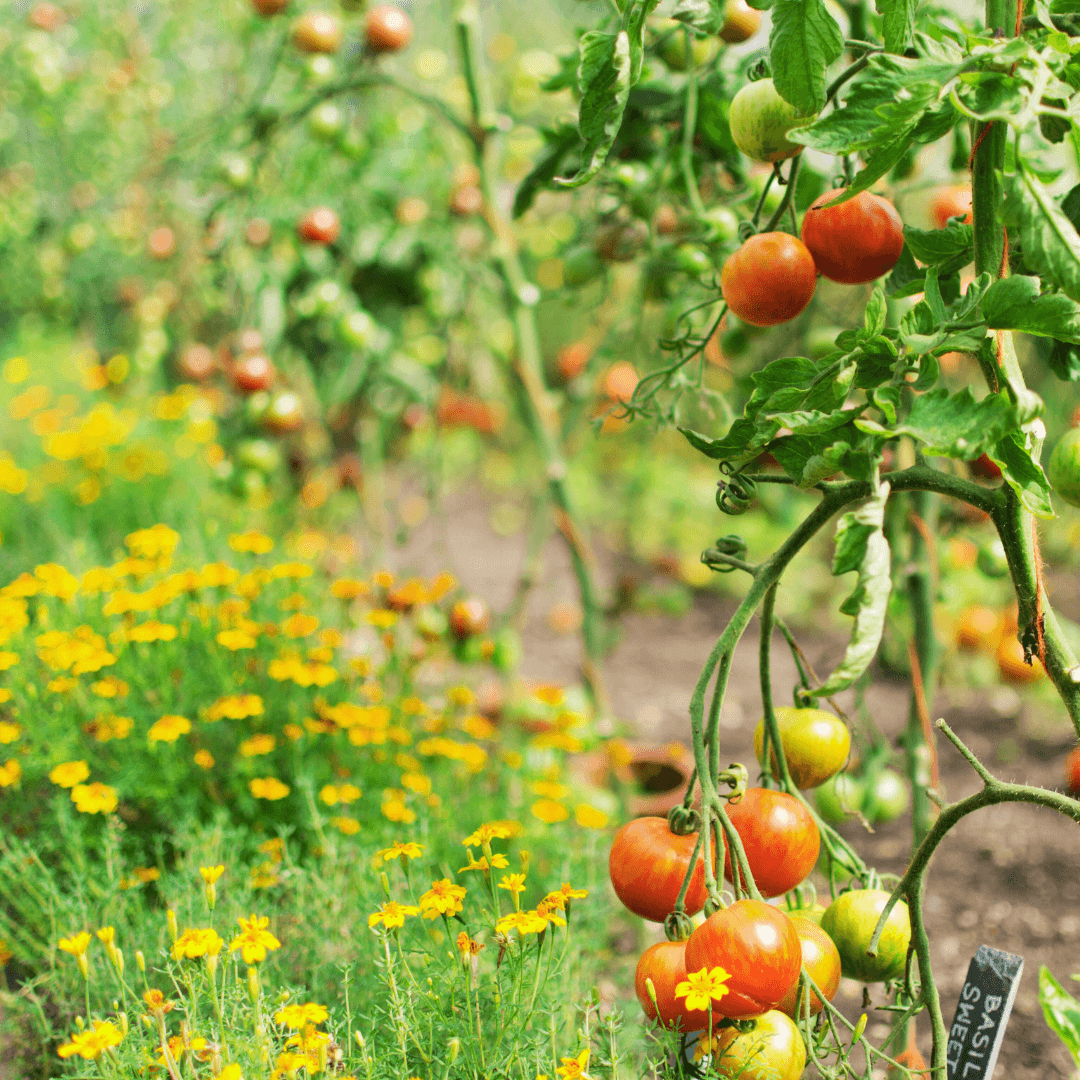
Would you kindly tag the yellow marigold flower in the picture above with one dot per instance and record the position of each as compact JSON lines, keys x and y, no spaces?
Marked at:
{"x":558,"y":740}
{"x":77,"y":944}
{"x":110,"y":687}
{"x":440,"y":586}
{"x":10,"y":772}
{"x":348,"y":826}
{"x":90,"y":1044}
{"x":391,"y":914}
{"x":703,"y":987}
{"x":549,"y":811}
{"x":479,"y":727}
{"x":156,"y":1002}
{"x":8,"y":660}
{"x":264,"y":876}
{"x":460,"y":695}
{"x":549,"y":694}
{"x":106,"y":727}
{"x":151,"y":631}
{"x":236,"y":707}
{"x":498,"y":862}
{"x":254,"y":939}
{"x":146,"y":874}
{"x":574,"y":1068}
{"x":550,"y":912}
{"x":217,"y":575}
{"x":254,"y":542}
{"x":169,"y":729}
{"x":210,"y":874}
{"x":204,"y":759}
{"x":61,"y":685}
{"x":490,"y":830}
{"x":151,"y":543}
{"x":257,"y":745}
{"x":416,"y":782}
{"x":296,"y":1016}
{"x":94,"y":798}
{"x":106,"y":935}
{"x":9,"y":732}
{"x":300,"y":625}
{"x":56,"y":581}
{"x":69,"y":773}
{"x":346,"y":793}
{"x":394,"y":809}
{"x":348,"y":588}
{"x":381,"y":619}
{"x":399,"y":850}
{"x":234,"y":640}
{"x":294,"y":570}
{"x":407,"y":595}
{"x":589,"y":817}
{"x":443,"y":898}
{"x":513,"y":883}
{"x":269,"y":788}
{"x":274,"y":847}
{"x":524,"y":922}
{"x":5,"y":695}
{"x":550,"y":790}
{"x":383,"y":579}
{"x":331,"y":638}
{"x":192,"y":944}
{"x":292,"y":732}
{"x":230,"y":1072}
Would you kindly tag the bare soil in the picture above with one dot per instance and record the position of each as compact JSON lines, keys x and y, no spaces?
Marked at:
{"x":1006,"y":876}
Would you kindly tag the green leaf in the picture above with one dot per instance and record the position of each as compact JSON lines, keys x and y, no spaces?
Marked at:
{"x":1023,"y":473}
{"x":604,"y":79}
{"x":560,"y":143}
{"x":1050,"y":242}
{"x":875,"y":314}
{"x":950,"y":248}
{"x":1014,"y":303}
{"x":1062,"y":1012}
{"x":861,"y":546}
{"x":952,"y":425}
{"x":897,"y":23}
{"x":705,"y":16}
{"x":1064,"y":361}
{"x":804,"y":41}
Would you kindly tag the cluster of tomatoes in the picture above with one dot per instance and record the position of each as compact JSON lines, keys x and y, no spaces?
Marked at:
{"x":760,"y":947}
{"x":983,"y":629}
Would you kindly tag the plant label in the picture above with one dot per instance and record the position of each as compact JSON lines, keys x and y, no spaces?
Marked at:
{"x":981,"y":1014}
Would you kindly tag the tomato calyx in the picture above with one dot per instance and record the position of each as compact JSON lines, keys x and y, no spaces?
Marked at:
{"x":683,"y":820}
{"x":677,"y":926}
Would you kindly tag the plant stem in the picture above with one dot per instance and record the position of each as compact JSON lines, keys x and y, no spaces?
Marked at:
{"x":689,"y":129}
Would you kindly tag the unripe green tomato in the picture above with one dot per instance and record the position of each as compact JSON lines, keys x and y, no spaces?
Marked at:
{"x":850,"y":920}
{"x":255,"y":407}
{"x":258,"y":454}
{"x":887,"y":797}
{"x":285,"y":414}
{"x":723,"y":224}
{"x":760,"y":120}
{"x":1063,"y":469}
{"x":816,"y":744}
{"x":506,"y":655}
{"x":840,"y":797}
{"x":811,"y":914}
{"x":632,"y":175}
{"x":325,"y":121}
{"x":991,"y":559}
{"x":237,"y":171}
{"x":692,"y":260}
{"x":821,"y":341}
{"x":320,"y":69}
{"x":580,"y":266}
{"x":673,"y":47}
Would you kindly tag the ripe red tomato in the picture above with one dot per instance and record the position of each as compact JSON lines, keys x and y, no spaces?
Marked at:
{"x":779,"y":836}
{"x":821,"y":960}
{"x":665,"y":964}
{"x":253,"y":373}
{"x":770,"y":279}
{"x":1011,"y":663}
{"x":319,"y":226}
{"x":647,"y":865}
{"x":910,"y":1059}
{"x":1072,"y":772}
{"x":620,"y":382}
{"x":951,"y":201}
{"x":161,"y":243}
{"x":985,"y":469}
{"x":741,"y":22}
{"x":758,"y":946}
{"x":977,"y":627}
{"x":46,"y":16}
{"x":469,"y":617}
{"x":388,"y":29}
{"x":267,"y":8}
{"x":573,"y":359}
{"x":196,"y":363}
{"x":317,"y":32}
{"x":855,"y":242}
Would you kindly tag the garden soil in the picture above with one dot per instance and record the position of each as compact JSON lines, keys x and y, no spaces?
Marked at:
{"x":1007,"y":876}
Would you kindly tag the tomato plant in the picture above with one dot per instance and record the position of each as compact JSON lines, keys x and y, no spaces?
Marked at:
{"x":854,"y":242}
{"x":770,"y":279}
{"x":761,"y":120}
{"x":820,"y":959}
{"x":850,"y":922}
{"x":771,"y":1050}
{"x":388,"y":29}
{"x":647,"y":865}
{"x":758,"y":946}
{"x":816,"y":744}
{"x":665,"y":965}
{"x":318,"y":32}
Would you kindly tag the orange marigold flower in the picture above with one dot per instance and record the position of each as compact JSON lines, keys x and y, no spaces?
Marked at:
{"x":269,"y":788}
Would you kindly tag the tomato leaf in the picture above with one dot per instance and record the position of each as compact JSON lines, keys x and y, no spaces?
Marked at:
{"x":1064,"y":361}
{"x":1014,"y":303}
{"x":560,"y":142}
{"x":604,"y":80}
{"x":875,"y":315}
{"x":1023,"y":473}
{"x":861,"y":546}
{"x":1062,"y":1012}
{"x":950,"y":248}
{"x":705,"y":16}
{"x":1050,"y":241}
{"x":804,"y":41}
{"x":897,"y":23}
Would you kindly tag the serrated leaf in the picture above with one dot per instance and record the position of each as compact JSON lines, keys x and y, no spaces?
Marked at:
{"x":604,"y":79}
{"x":950,"y":248}
{"x":705,"y":16}
{"x":875,"y":315}
{"x":1014,"y":303}
{"x":861,"y":546}
{"x":1050,"y":242}
{"x":1062,"y":1012}
{"x":1023,"y":473}
{"x":804,"y":41}
{"x":897,"y":23}
{"x":906,"y":278}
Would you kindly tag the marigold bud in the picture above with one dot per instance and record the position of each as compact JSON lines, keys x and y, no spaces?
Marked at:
{"x":140,"y":961}
{"x":170,"y":919}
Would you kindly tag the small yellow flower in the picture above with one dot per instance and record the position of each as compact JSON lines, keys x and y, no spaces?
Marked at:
{"x":549,"y":811}
{"x":524,"y":922}
{"x":297,"y":1016}
{"x":443,"y":898}
{"x":204,"y":759}
{"x":348,"y":588}
{"x":192,"y":944}
{"x":498,"y":862}
{"x":588,"y":817}
{"x":210,"y":874}
{"x":168,"y":729}
{"x":514,"y":883}
{"x":7,"y":660}
{"x":491,"y":830}
{"x":90,"y":1044}
{"x":269,"y":788}
{"x":254,"y":542}
{"x":574,"y":1068}
{"x":703,"y":987}
{"x":9,"y":732}
{"x":347,"y":826}
{"x":10,"y":772}
{"x":234,"y":640}
{"x":69,"y":773}
{"x":94,"y":798}
{"x":398,"y":850}
{"x":156,"y":1002}
{"x":77,"y":944}
{"x":381,"y":619}
{"x":257,"y":745}
{"x":391,"y":914}
{"x":254,"y":939}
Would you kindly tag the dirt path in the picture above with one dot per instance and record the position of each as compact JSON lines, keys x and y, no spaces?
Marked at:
{"x":1006,"y":877}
